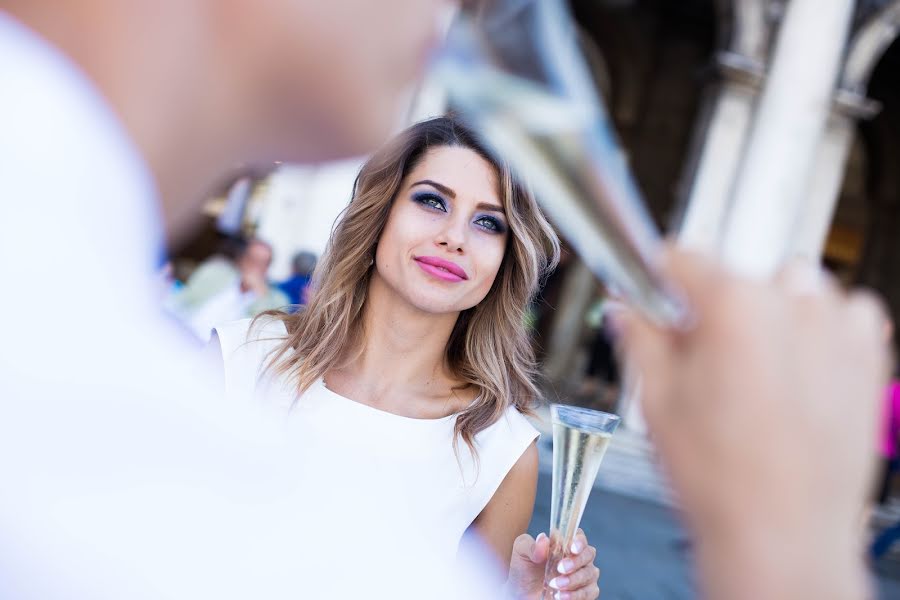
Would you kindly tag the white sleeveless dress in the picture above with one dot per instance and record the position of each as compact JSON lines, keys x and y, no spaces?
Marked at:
{"x":369,"y":470}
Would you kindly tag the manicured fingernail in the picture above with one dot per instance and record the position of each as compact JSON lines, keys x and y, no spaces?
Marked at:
{"x":558,"y":583}
{"x":566,"y":566}
{"x":577,"y":547}
{"x":540,"y":537}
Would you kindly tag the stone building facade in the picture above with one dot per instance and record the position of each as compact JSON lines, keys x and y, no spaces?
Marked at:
{"x":662,"y":66}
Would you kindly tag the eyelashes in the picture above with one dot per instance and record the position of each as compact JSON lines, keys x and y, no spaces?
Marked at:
{"x":491,"y":224}
{"x":432,"y":201}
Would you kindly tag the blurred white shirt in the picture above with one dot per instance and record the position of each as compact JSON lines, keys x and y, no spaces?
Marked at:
{"x":122,"y":475}
{"x":229,"y":304}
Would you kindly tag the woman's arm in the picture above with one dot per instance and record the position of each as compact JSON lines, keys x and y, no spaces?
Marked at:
{"x":508,"y":512}
{"x":502,"y":525}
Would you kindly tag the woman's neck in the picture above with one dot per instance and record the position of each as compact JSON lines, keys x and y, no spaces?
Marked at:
{"x":402,"y":354}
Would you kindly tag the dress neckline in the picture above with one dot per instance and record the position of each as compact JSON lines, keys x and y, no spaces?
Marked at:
{"x":383,"y":413}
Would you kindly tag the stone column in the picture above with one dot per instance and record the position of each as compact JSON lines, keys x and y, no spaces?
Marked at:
{"x":579,"y":287}
{"x":721,"y":135}
{"x":771,"y":185}
{"x":866,"y":48}
{"x":814,"y":220}
{"x":722,"y":128}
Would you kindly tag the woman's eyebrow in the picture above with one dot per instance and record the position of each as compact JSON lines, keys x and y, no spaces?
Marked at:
{"x":490,"y":207}
{"x":438,"y":186}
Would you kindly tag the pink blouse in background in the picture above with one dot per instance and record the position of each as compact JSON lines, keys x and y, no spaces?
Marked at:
{"x":891,"y":422}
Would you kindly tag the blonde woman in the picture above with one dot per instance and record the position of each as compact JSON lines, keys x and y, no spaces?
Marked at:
{"x":406,"y":378}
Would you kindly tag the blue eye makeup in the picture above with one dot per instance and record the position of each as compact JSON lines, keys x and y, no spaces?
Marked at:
{"x":430,"y":200}
{"x":491,"y":224}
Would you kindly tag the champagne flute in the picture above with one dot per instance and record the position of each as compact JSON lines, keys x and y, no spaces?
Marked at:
{"x":580,"y":439}
{"x":513,"y":69}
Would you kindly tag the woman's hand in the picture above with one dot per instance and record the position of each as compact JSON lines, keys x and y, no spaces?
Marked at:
{"x":577,"y":577}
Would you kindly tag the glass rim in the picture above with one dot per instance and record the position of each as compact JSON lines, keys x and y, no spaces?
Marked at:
{"x":586,"y":419}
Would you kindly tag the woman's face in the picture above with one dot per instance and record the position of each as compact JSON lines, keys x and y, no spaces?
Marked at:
{"x":446,"y":234}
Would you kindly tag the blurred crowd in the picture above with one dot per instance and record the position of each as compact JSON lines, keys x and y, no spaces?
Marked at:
{"x":234,"y":284}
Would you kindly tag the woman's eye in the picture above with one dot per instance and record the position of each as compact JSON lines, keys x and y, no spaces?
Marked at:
{"x":491,"y":224}
{"x":430,"y":200}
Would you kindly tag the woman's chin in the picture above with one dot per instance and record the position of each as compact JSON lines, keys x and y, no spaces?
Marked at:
{"x":437,"y":309}
{"x":437,"y":306}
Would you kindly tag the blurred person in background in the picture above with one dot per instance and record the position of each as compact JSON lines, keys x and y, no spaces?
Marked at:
{"x":890,"y":437}
{"x":296,"y":286}
{"x":220,"y":291}
{"x":888,"y":464}
{"x":890,"y":429}
{"x":414,"y":342}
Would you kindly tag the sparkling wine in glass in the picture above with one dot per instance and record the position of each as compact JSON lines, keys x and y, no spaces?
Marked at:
{"x":580,"y":439}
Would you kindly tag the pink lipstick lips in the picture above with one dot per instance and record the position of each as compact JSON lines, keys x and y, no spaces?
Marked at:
{"x":442,"y":269}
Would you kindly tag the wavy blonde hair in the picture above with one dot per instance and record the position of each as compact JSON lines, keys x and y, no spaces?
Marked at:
{"x":489,"y":346}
